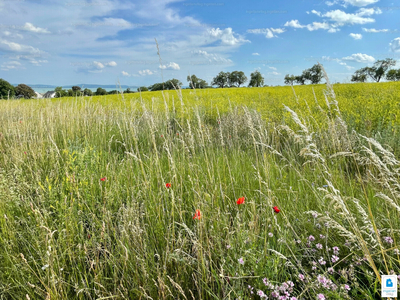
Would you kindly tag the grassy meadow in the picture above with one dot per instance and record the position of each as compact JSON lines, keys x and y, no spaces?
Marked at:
{"x":136,"y":196}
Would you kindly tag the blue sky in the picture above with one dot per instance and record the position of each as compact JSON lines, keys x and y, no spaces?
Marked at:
{"x":103,"y":41}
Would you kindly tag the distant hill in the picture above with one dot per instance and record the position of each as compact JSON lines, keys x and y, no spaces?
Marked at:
{"x":89,"y":86}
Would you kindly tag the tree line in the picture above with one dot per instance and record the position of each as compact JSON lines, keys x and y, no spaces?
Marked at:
{"x":312,"y":75}
{"x":222,"y":80}
{"x":379,"y":70}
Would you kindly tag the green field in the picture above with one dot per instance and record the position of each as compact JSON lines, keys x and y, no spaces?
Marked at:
{"x":85,"y":212}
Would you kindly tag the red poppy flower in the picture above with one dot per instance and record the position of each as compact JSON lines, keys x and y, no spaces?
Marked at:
{"x":25,"y":152}
{"x":197,"y":215}
{"x":240,"y":201}
{"x":162,"y":136}
{"x":167,"y":185}
{"x":103,"y":179}
{"x":276,"y":209}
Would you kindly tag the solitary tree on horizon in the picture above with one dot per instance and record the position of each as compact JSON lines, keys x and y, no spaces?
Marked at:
{"x":256,"y":79}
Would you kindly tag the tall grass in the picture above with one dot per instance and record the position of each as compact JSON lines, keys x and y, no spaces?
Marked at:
{"x":85,"y":212}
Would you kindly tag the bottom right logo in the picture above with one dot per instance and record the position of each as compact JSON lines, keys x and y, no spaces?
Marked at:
{"x":389,"y":286}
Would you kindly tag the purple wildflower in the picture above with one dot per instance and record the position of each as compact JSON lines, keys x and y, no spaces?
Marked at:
{"x":388,"y":240}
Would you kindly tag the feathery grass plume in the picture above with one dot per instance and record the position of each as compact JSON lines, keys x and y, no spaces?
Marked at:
{"x":367,"y":228}
{"x":389,"y":201}
{"x":297,"y":120}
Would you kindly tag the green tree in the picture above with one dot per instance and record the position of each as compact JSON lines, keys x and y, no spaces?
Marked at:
{"x":221,"y":79}
{"x":23,"y":90}
{"x":101,"y":91}
{"x":195,"y":82}
{"x":172,"y":84}
{"x":237,"y":77}
{"x":315,"y":74}
{"x":113,"y":92}
{"x":156,"y":87}
{"x":378,"y":70}
{"x":87,"y":92}
{"x":60,"y":92}
{"x":290,"y":79}
{"x":76,"y":89}
{"x":6,"y":89}
{"x":142,"y":89}
{"x":393,"y":75}
{"x":300,"y":79}
{"x":256,"y":79}
{"x":360,"y":75}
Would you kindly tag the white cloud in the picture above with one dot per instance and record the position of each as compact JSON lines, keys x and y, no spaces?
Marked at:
{"x":15,"y":47}
{"x":375,"y":30}
{"x":98,"y":65}
{"x":274,"y":73}
{"x":146,"y":72}
{"x":30,"y":27}
{"x":37,"y":62}
{"x":255,"y":53}
{"x":356,"y":36}
{"x":395,"y":45}
{"x":294,"y":24}
{"x":118,"y":22}
{"x":359,"y":57}
{"x":330,"y":3}
{"x":170,"y":66}
{"x":268,"y":32}
{"x":368,"y":12}
{"x":94,"y":67}
{"x":12,"y":35}
{"x":125,"y":74}
{"x":337,"y":18}
{"x":111,"y":64}
{"x":278,"y":30}
{"x":316,"y":12}
{"x":327,"y":58}
{"x":227,"y":36}
{"x":161,"y":11}
{"x":342,"y":18}
{"x":211,"y":57}
{"x":360,"y":3}
{"x":11,"y":65}
{"x":318,"y":25}
{"x":273,"y":68}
